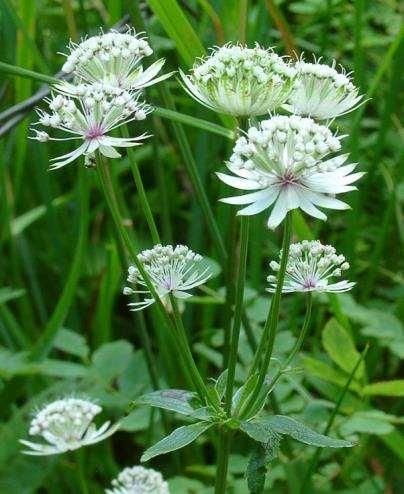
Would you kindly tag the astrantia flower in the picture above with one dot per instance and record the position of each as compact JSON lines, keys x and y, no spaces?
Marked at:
{"x":66,"y":425}
{"x":114,"y":59}
{"x":322,"y":92}
{"x":139,"y":480}
{"x":240,"y":81}
{"x":283,"y":160}
{"x":171,"y":269}
{"x":309,"y":267}
{"x":90,"y":114}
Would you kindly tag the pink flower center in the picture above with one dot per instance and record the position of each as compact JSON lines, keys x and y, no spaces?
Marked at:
{"x":288,"y":179}
{"x":94,"y":133}
{"x":309,"y":284}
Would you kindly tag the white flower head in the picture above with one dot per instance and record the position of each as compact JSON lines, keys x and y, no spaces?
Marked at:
{"x":66,"y":425}
{"x":174,"y":270}
{"x":114,"y":59}
{"x":139,"y":480}
{"x":240,"y":81}
{"x":90,"y":114}
{"x":322,"y":92}
{"x":309,"y":267}
{"x":285,"y":160}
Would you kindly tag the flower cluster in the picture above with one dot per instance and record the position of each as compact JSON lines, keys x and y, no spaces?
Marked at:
{"x":285,"y":160}
{"x":309,"y":266}
{"x":240,"y":81}
{"x":322,"y":92}
{"x":105,"y":94}
{"x":114,"y":59}
{"x":139,"y":480}
{"x":171,"y":269}
{"x":66,"y":425}
{"x":90,"y":114}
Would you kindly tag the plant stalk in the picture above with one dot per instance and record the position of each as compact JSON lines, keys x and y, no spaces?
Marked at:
{"x":222,"y":462}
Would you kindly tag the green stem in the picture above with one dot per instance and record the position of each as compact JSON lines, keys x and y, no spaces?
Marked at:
{"x":266,"y":344}
{"x":81,"y":478}
{"x":222,"y":462}
{"x":30,"y":74}
{"x":235,"y":335}
{"x":141,"y":192}
{"x":316,"y":456}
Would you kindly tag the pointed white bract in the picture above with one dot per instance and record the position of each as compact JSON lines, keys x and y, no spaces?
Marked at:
{"x":171,"y":269}
{"x":309,"y":267}
{"x":139,"y":480}
{"x":321,"y":92}
{"x":66,"y":425}
{"x":90,"y":113}
{"x":285,"y":161}
{"x":114,"y":59}
{"x":240,"y":81}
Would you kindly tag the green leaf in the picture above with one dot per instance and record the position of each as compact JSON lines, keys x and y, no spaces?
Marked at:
{"x":256,"y":471}
{"x":177,"y":439}
{"x":111,"y":359}
{"x":367,"y":422}
{"x":241,"y":395}
{"x":262,"y":430}
{"x":385,"y":388}
{"x":221,"y":382}
{"x":7,"y":293}
{"x":71,"y":342}
{"x":340,"y":347}
{"x":175,"y":400}
{"x":326,"y":373}
{"x":178,"y":28}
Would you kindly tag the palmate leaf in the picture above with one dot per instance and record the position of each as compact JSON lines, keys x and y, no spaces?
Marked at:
{"x":176,"y":400}
{"x":177,"y":439}
{"x":261,"y":430}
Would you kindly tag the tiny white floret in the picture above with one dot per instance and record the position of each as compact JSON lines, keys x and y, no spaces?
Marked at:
{"x":139,"y":480}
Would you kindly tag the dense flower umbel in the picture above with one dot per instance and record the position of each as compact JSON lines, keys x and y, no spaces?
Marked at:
{"x":283,"y":160}
{"x":90,"y":114}
{"x":171,"y":269}
{"x":309,"y":267}
{"x":114,"y":59}
{"x":240,"y":81}
{"x":321,"y":92}
{"x":139,"y":480}
{"x":66,"y":425}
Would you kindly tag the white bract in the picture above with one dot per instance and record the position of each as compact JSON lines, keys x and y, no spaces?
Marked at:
{"x":171,"y":269}
{"x":321,"y":92}
{"x":66,"y":425}
{"x":90,"y":114}
{"x":114,"y":59}
{"x":284,"y":161}
{"x":139,"y":480}
{"x":309,"y":267}
{"x":240,"y":81}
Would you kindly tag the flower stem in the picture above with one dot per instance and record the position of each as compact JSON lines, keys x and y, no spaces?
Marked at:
{"x":141,"y":191}
{"x":81,"y":478}
{"x":266,"y":344}
{"x":244,"y":228}
{"x":222,"y":462}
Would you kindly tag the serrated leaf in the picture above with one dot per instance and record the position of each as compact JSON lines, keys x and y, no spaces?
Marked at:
{"x":176,"y":400}
{"x":177,"y":439}
{"x":385,"y":388}
{"x":340,"y":347}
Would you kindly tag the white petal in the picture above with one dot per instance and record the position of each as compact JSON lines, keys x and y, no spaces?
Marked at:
{"x":238,"y":183}
{"x":247,"y":198}
{"x":260,"y":205}
{"x":278,"y":213}
{"x":109,"y":151}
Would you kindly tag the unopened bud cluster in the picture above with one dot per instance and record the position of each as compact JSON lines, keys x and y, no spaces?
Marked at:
{"x":309,"y":266}
{"x":139,"y":480}
{"x":170,"y":269}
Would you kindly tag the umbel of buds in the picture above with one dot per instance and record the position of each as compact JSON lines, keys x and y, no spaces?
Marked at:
{"x":321,"y":92}
{"x":285,"y":160}
{"x":114,"y":59}
{"x":174,"y":270}
{"x":139,"y":480}
{"x":240,"y":81}
{"x":66,"y":425}
{"x":309,"y":267}
{"x":90,"y":113}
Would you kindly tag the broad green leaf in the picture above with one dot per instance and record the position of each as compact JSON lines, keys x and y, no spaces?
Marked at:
{"x":385,"y":388}
{"x":302,"y":433}
{"x":111,"y":359}
{"x":177,"y":439}
{"x":71,"y":342}
{"x":256,"y":471}
{"x":137,"y":420}
{"x":178,"y":28}
{"x":175,"y":400}
{"x":325,"y":372}
{"x":368,"y":422}
{"x":340,"y":347}
{"x":60,"y":368}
